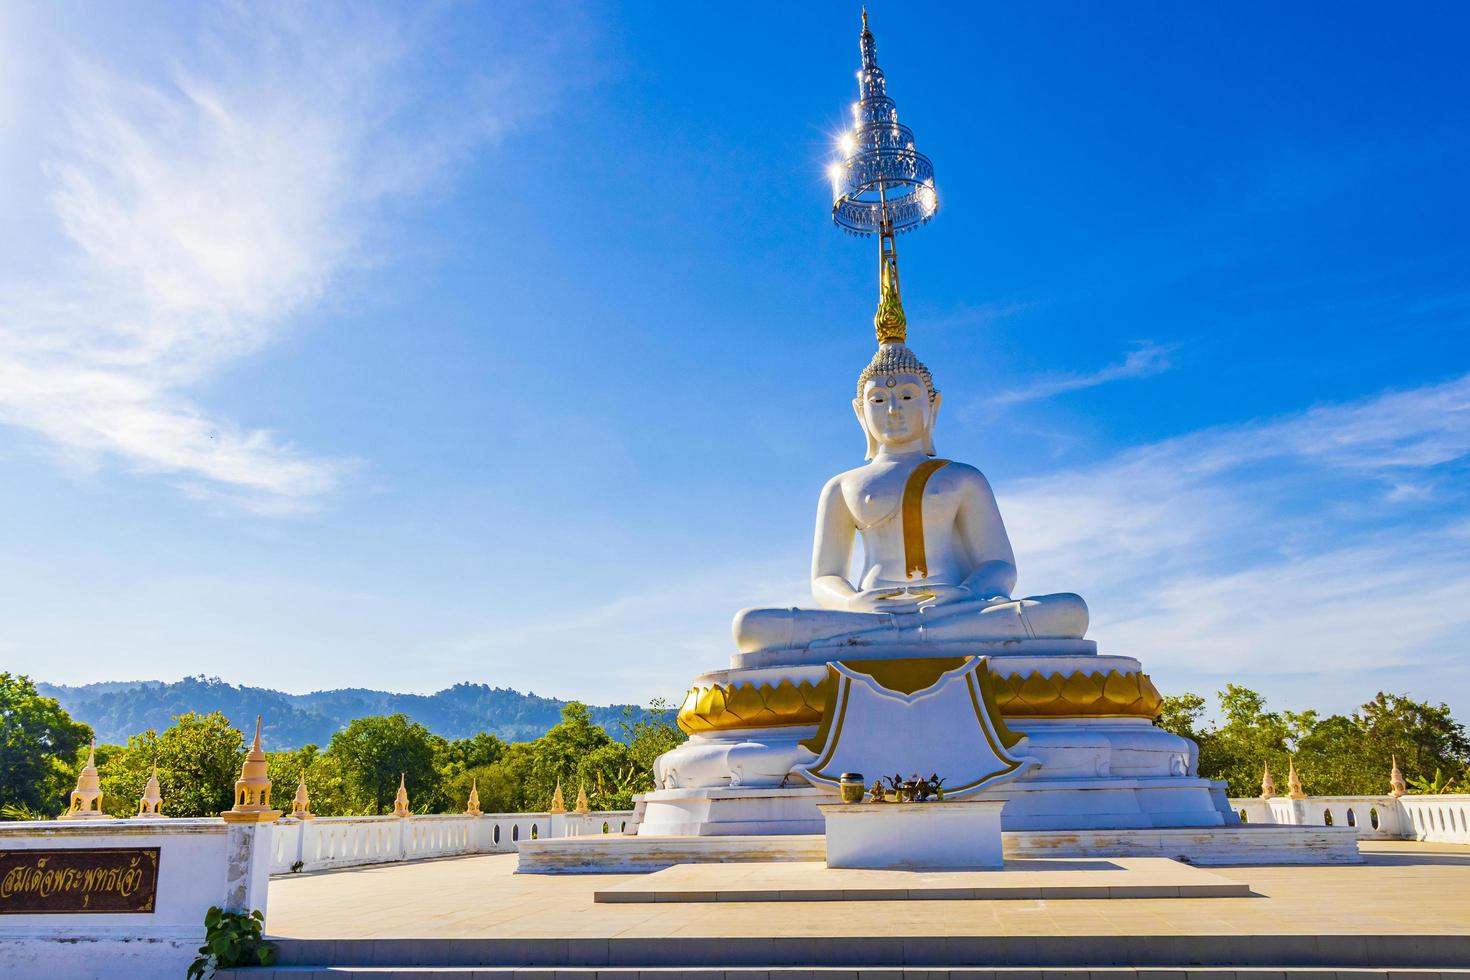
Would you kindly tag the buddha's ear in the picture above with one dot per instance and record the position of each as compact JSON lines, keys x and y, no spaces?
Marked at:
{"x":857,"y":409}
{"x":933,"y":417}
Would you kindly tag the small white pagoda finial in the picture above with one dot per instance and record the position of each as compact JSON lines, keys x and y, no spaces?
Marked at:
{"x":301,"y":802}
{"x":1294,"y":783}
{"x":1396,"y":785}
{"x":86,"y":799}
{"x":151,"y":803}
{"x":253,"y":788}
{"x":473,"y":807}
{"x":583,"y":806}
{"x":400,"y":799}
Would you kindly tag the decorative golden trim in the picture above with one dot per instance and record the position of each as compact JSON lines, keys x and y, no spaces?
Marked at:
{"x":992,"y":727}
{"x":982,"y":692}
{"x":1036,"y":694}
{"x":915,"y":561}
{"x":906,"y":676}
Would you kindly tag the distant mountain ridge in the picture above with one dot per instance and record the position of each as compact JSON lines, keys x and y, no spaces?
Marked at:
{"x":119,"y":709}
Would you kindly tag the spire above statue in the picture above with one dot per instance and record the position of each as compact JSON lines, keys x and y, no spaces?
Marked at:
{"x":881,"y":184}
{"x":937,"y":565}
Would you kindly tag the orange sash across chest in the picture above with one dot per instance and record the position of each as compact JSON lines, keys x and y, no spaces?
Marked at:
{"x":914,"y":561}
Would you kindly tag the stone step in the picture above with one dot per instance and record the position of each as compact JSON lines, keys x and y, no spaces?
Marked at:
{"x":1044,"y":879}
{"x":1153,"y":956}
{"x":1245,"y":844}
{"x":834,"y":973}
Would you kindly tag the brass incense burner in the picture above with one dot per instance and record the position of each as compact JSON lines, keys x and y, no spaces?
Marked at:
{"x":915,"y":789}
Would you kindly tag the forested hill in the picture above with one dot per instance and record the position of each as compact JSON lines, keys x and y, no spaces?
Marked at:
{"x":116,"y":710}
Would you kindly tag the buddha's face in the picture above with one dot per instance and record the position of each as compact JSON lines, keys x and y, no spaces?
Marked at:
{"x":896,"y":412}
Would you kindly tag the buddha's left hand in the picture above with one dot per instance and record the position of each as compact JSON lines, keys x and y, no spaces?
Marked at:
{"x":926,"y":597}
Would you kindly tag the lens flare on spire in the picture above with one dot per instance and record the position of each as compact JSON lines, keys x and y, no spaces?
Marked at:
{"x":883,"y":173}
{"x":881,"y":184}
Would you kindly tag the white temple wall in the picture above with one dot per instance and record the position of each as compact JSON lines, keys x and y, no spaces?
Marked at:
{"x":201,"y":863}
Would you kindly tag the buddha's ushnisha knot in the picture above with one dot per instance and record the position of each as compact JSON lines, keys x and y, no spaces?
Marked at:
{"x":893,"y":359}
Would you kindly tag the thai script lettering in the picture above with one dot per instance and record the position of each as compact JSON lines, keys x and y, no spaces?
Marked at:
{"x":80,"y":879}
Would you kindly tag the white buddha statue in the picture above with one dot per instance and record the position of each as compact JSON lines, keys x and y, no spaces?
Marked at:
{"x":937,"y":563}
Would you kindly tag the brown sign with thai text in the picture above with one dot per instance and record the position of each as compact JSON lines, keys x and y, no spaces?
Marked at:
{"x":79,"y":879}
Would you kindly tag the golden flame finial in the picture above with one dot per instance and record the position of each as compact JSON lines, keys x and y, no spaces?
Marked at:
{"x":890,"y":323}
{"x":865,"y":18}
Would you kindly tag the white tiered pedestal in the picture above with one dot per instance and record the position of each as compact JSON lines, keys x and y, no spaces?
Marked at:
{"x":960,"y":835}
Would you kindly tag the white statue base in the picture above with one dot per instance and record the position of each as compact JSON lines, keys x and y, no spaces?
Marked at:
{"x":1095,"y":771}
{"x":961,"y":836}
{"x":723,"y":811}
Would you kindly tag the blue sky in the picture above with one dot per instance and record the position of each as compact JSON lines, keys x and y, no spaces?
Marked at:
{"x":399,"y":346}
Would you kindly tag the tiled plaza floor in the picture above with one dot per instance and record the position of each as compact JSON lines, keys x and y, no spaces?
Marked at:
{"x":1404,"y":888}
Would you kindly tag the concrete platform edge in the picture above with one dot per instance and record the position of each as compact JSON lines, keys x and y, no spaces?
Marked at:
{"x":1346,"y":952}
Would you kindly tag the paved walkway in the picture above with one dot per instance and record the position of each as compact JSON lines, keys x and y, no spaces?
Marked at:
{"x":1404,"y":888}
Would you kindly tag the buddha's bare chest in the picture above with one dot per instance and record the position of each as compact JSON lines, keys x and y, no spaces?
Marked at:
{"x":875,"y":495}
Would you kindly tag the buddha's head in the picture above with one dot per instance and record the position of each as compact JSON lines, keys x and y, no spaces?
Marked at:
{"x":896,"y":401}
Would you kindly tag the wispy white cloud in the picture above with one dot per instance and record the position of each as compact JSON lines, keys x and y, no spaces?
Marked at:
{"x":1145,"y":360}
{"x":1284,"y":546}
{"x":202,"y":210}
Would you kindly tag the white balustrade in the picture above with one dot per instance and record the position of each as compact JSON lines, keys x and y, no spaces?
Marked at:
{"x":1374,"y":817}
{"x":322,"y":843}
{"x":1444,"y":817}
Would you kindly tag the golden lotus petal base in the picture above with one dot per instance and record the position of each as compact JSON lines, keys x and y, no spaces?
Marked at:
{"x":1077,"y":695}
{"x":720,"y":708}
{"x":1037,"y":694}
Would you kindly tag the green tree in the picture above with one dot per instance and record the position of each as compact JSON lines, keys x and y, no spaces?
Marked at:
{"x":1181,"y":715}
{"x":1424,"y":736}
{"x":371,"y":753}
{"x":1237,"y":749}
{"x":38,"y":743}
{"x":564,"y":754}
{"x":578,"y":753}
{"x":198,"y":760}
{"x":464,"y":762}
{"x":323,"y":781}
{"x":1250,"y":738}
{"x":1336,"y":755}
